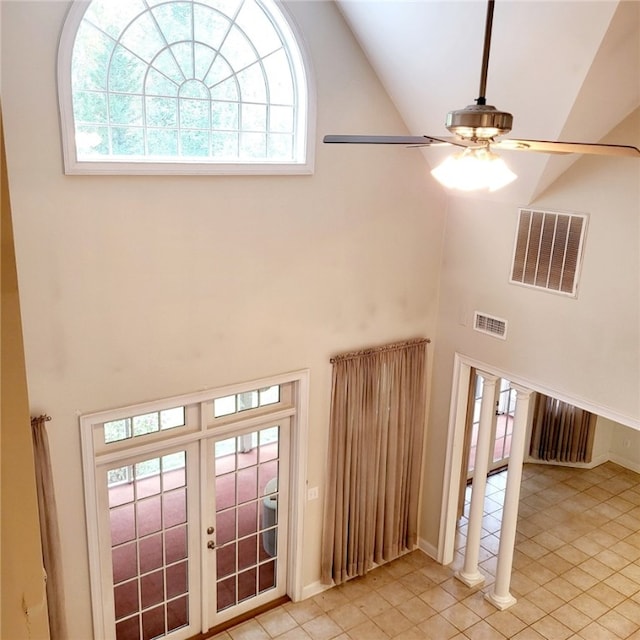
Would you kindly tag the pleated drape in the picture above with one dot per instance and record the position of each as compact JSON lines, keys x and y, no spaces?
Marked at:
{"x":49,"y":529}
{"x":561,"y":432}
{"x":375,"y":454}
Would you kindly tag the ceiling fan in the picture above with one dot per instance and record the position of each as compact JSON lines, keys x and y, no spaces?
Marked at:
{"x":475,"y":129}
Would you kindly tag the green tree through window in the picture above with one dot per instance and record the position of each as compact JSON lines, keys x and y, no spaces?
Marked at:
{"x":216,"y":81}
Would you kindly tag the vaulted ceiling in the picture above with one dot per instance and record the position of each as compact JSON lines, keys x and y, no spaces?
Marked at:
{"x":566,"y":70}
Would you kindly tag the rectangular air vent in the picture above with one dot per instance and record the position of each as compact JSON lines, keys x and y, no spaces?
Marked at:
{"x":490,"y":325}
{"x":548,"y":250}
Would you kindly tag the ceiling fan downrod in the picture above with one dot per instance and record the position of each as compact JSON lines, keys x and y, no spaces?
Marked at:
{"x":481,"y":99}
{"x":481,"y":122}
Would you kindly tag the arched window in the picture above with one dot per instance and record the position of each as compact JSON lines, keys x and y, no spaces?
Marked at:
{"x":183,"y":86}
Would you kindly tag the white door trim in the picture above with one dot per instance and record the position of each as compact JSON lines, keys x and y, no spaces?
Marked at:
{"x":298,"y":470}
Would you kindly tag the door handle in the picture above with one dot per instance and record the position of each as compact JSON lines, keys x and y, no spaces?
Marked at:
{"x":211,"y":544}
{"x":210,"y":530}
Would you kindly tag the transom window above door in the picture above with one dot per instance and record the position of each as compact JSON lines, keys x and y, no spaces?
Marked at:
{"x":182,"y":86}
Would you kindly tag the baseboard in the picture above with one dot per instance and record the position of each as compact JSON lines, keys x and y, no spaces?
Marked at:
{"x":428,"y":548}
{"x":632,"y":465}
{"x":596,"y":462}
{"x":314,"y":589}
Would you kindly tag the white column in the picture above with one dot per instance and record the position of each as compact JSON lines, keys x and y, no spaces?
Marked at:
{"x":499,"y":595}
{"x":470,"y":574}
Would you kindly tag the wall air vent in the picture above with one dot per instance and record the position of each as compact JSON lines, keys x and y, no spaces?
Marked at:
{"x":490,"y":325}
{"x":548,"y":250}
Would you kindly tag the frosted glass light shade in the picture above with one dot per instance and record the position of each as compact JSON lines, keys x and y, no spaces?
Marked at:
{"x":474,"y":169}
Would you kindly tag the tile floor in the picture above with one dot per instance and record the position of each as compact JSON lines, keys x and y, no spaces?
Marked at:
{"x":576,"y":574}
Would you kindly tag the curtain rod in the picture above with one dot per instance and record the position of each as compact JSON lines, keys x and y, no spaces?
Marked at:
{"x":42,"y":418}
{"x":387,"y":347}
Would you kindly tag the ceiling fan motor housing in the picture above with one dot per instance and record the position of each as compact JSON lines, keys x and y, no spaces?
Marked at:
{"x":479,"y":122}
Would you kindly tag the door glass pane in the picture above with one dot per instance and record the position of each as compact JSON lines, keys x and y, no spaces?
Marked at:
{"x":247,"y":494}
{"x":148,"y":515}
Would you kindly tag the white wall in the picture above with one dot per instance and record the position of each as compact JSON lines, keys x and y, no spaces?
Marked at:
{"x":137,"y":288}
{"x":585,"y":350}
{"x":623,"y":443}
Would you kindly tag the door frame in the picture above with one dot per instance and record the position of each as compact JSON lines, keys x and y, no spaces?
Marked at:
{"x":91,"y":424}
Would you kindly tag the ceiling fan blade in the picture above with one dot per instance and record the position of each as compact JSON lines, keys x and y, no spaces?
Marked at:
{"x":422,"y":141}
{"x":546,"y":146}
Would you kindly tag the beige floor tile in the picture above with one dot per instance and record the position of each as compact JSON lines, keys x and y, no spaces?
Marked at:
{"x":553,"y":562}
{"x":548,"y":541}
{"x":571,"y":617}
{"x":372,"y":604}
{"x":527,"y":611}
{"x":460,"y":616}
{"x":483,"y":631}
{"x":521,"y":584}
{"x":436,"y":572}
{"x":416,"y":582}
{"x":563,"y":588}
{"x":630,"y":610}
{"x":298,"y":633}
{"x":437,"y":628}
{"x":355,"y":588}
{"x":632,"y":571}
{"x":545,"y":600}
{"x":612,"y":560}
{"x":551,"y":628}
{"x":617,"y":623}
{"x":277,"y":622}
{"x":393,"y":622}
{"x":250,"y":630}
{"x":330,"y":599}
{"x":622,"y":584}
{"x":303,"y":611}
{"x":458,"y":589}
{"x":322,"y":628}
{"x":437,"y":598}
{"x":347,"y":616}
{"x":505,"y":622}
{"x":588,"y":605}
{"x":479,"y":604}
{"x":580,"y":578}
{"x":605,"y":594}
{"x":414,"y":633}
{"x":395,"y":593}
{"x":596,"y":631}
{"x":528,"y":634}
{"x":596,"y":569}
{"x":416,"y":610}
{"x":572,"y":554}
{"x":368,"y":630}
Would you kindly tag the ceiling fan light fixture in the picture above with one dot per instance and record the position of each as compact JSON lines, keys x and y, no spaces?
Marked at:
{"x":479,"y":122}
{"x":473,"y":169}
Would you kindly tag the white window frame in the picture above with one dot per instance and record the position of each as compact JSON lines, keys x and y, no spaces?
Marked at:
{"x":95,"y":455}
{"x":306,"y":116}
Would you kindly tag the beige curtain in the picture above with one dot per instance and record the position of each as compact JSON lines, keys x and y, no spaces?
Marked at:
{"x":375,"y":454}
{"x":561,"y":432}
{"x":49,"y":529}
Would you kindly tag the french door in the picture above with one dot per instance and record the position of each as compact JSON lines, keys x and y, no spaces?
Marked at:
{"x":188,"y":513}
{"x":148,"y":507}
{"x":247,"y":515}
